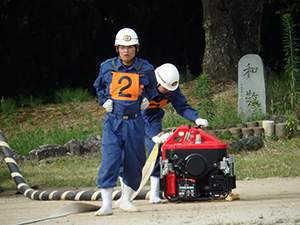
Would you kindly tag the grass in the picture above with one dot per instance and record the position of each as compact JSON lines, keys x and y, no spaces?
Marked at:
{"x":275,"y":159}
{"x":71,"y":95}
{"x":59,"y":123}
{"x":57,"y":172}
{"x":67,"y":94}
{"x":8,"y":105}
{"x":24,"y":141}
{"x":225,"y":113}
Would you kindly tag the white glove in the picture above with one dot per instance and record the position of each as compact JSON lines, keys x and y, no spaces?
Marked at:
{"x":157,"y":140}
{"x":162,"y":139}
{"x":144,"y":104}
{"x":108,"y":105}
{"x":201,"y":122}
{"x":165,"y":137}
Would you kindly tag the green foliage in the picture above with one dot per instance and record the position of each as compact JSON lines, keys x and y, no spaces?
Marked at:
{"x":29,"y":101}
{"x":291,"y":125}
{"x":291,"y":49}
{"x":273,"y":158}
{"x":63,"y":95}
{"x":9,"y":117}
{"x":172,"y":118}
{"x":67,"y":94}
{"x":272,"y":161}
{"x":25,"y":141}
{"x":256,"y":111}
{"x":225,"y":113}
{"x":278,"y":93}
{"x":204,"y":96}
{"x":276,"y":159}
{"x":8,"y":105}
{"x":55,"y":172}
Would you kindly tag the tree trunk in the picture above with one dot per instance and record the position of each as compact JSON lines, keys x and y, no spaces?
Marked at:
{"x":232,"y":29}
{"x":247,"y":16}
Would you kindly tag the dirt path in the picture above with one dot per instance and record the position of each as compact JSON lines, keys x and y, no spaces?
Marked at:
{"x":262,"y":201}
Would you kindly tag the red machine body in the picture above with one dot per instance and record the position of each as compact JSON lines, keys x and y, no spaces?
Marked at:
{"x":195,"y":166}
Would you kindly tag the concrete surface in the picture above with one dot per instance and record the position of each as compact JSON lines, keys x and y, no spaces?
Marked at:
{"x":262,"y":201}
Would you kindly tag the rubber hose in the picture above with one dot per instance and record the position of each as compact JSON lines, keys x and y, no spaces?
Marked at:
{"x":27,"y":191}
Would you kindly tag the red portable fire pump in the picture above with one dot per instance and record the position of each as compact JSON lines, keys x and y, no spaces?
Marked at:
{"x":195,"y":166}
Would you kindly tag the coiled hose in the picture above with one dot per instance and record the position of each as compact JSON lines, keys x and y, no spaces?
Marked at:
{"x":27,"y":191}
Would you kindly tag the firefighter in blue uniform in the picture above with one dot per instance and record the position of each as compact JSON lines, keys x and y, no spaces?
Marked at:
{"x":125,"y":86}
{"x":167,"y":91}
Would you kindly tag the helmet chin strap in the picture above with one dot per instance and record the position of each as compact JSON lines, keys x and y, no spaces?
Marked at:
{"x":161,"y":89}
{"x":157,"y":87}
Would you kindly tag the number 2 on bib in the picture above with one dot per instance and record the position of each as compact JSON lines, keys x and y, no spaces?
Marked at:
{"x":124,"y":86}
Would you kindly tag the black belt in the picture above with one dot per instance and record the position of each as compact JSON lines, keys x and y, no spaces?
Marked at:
{"x":124,"y":116}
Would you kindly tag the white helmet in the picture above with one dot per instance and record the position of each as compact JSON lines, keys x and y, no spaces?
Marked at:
{"x":167,"y":76}
{"x":126,"y":37}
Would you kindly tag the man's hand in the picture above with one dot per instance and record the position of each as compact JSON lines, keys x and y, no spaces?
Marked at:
{"x":157,"y":140}
{"x":144,"y":104}
{"x":165,"y":137}
{"x":108,"y":105}
{"x":201,"y":122}
{"x":162,"y":139}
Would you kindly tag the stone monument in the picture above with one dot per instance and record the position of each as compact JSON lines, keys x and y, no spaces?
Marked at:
{"x":252,"y":101}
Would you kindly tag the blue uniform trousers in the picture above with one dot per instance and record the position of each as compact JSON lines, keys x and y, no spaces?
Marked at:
{"x":122,"y":139}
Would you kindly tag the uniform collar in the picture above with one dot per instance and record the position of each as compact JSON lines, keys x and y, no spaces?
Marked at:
{"x":134,"y":66}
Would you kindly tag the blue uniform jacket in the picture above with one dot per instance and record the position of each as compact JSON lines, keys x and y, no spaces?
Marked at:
{"x":154,"y":113}
{"x":146,"y":78}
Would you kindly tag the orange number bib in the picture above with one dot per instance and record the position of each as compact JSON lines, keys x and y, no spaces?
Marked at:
{"x":125,"y":86}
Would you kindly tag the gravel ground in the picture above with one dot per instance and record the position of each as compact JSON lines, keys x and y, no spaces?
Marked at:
{"x":262,"y":201}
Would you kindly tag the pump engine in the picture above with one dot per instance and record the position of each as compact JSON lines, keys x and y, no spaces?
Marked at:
{"x":195,"y":166}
